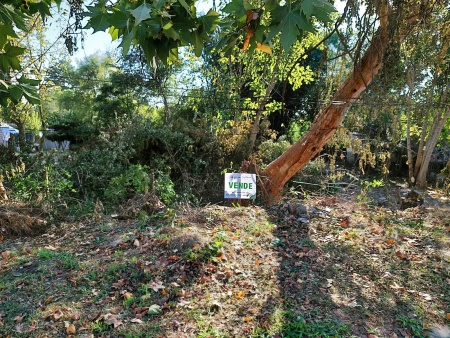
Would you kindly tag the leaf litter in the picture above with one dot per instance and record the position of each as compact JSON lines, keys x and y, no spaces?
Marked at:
{"x":327,"y":264}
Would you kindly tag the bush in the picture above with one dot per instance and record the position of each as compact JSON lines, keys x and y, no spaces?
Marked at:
{"x":271,"y":150}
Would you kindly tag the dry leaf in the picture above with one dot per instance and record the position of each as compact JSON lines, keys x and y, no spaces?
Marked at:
{"x":401,"y":255}
{"x":264,"y":48}
{"x":248,"y":35}
{"x":50,"y":247}
{"x":19,"y":318}
{"x":157,"y":285}
{"x":113,"y":320}
{"x":345,"y":222}
{"x":48,"y":300}
{"x":119,"y":283}
{"x":71,"y":329}
{"x":136,"y":321}
{"x":448,"y":315}
{"x":390,"y":241}
{"x":136,"y":243}
{"x":247,"y":319}
{"x":127,"y":295}
{"x":251,"y":15}
{"x":240,"y":295}
{"x":57,"y":314}
{"x":5,"y":254}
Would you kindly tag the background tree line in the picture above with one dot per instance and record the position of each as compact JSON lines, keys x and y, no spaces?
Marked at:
{"x":177,"y":106}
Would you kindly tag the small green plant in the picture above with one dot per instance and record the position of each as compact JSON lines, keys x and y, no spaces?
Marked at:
{"x":67,"y":260}
{"x":46,"y":254}
{"x":414,"y":326}
{"x":135,"y":180}
{"x":100,"y":327}
{"x":128,"y":302}
{"x":142,"y":220}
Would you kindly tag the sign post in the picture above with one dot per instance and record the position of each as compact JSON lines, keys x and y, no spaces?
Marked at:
{"x":240,"y":186}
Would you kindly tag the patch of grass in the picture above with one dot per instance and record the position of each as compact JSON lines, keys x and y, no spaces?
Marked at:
{"x":114,"y":268}
{"x":46,"y":254}
{"x":67,"y":260}
{"x":294,"y":326}
{"x":414,"y":326}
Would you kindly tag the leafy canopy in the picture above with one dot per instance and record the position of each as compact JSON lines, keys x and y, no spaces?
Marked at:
{"x":160,"y":28}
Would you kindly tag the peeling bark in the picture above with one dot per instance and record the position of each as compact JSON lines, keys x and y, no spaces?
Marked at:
{"x":289,"y":163}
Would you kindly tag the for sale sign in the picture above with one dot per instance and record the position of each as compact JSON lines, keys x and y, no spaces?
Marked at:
{"x":239,"y":185}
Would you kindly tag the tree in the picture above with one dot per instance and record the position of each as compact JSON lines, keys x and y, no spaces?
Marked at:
{"x":161,"y":28}
{"x":15,"y":17}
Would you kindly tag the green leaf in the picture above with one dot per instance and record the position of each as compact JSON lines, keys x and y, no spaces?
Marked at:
{"x":171,"y":33}
{"x":141,"y":13}
{"x":307,"y":8}
{"x":323,"y":9}
{"x":42,"y":7}
{"x":186,"y":7}
{"x":31,"y":94}
{"x":289,"y":30}
{"x":210,"y":21}
{"x":15,"y":16}
{"x":126,"y":43}
{"x":235,"y":7}
{"x":12,"y":51}
{"x":118,"y":19}
{"x":197,"y":41}
{"x":5,"y":31}
{"x":15,"y":93}
{"x":270,"y":5}
{"x":31,"y":82}
{"x":99,"y":22}
{"x":155,"y":309}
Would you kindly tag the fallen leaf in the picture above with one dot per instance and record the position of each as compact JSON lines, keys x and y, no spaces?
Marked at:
{"x":136,"y":321}
{"x":345,"y":222}
{"x":19,"y":318}
{"x":157,"y":285}
{"x":119,"y":283}
{"x":390,"y":241}
{"x":448,"y":315}
{"x":6,"y":254}
{"x":113,"y":320}
{"x":50,"y":247}
{"x":57,"y":314}
{"x":155,"y":309}
{"x":401,"y":255}
{"x":71,"y":329}
{"x":240,"y":295}
{"x":426,"y":296}
{"x":247,"y":319}
{"x":48,"y":300}
{"x":127,"y":295}
{"x":136,"y":243}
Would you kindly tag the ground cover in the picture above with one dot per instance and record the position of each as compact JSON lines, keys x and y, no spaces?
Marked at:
{"x":343,"y":265}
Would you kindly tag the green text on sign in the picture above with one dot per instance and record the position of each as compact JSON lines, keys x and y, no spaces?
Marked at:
{"x":240,"y":185}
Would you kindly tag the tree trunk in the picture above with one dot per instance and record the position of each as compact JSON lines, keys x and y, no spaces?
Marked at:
{"x":436,"y":129}
{"x":423,"y":133}
{"x":410,"y":78}
{"x":289,"y":163}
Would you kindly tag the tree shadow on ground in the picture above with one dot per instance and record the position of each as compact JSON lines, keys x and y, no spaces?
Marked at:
{"x":333,"y":286}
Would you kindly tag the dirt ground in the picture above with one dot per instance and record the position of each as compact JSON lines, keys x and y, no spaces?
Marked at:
{"x":349,"y":264}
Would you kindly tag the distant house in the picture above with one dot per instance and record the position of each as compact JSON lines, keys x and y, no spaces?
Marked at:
{"x":7,"y":133}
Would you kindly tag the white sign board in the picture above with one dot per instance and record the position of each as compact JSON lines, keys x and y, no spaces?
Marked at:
{"x":239,"y":185}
